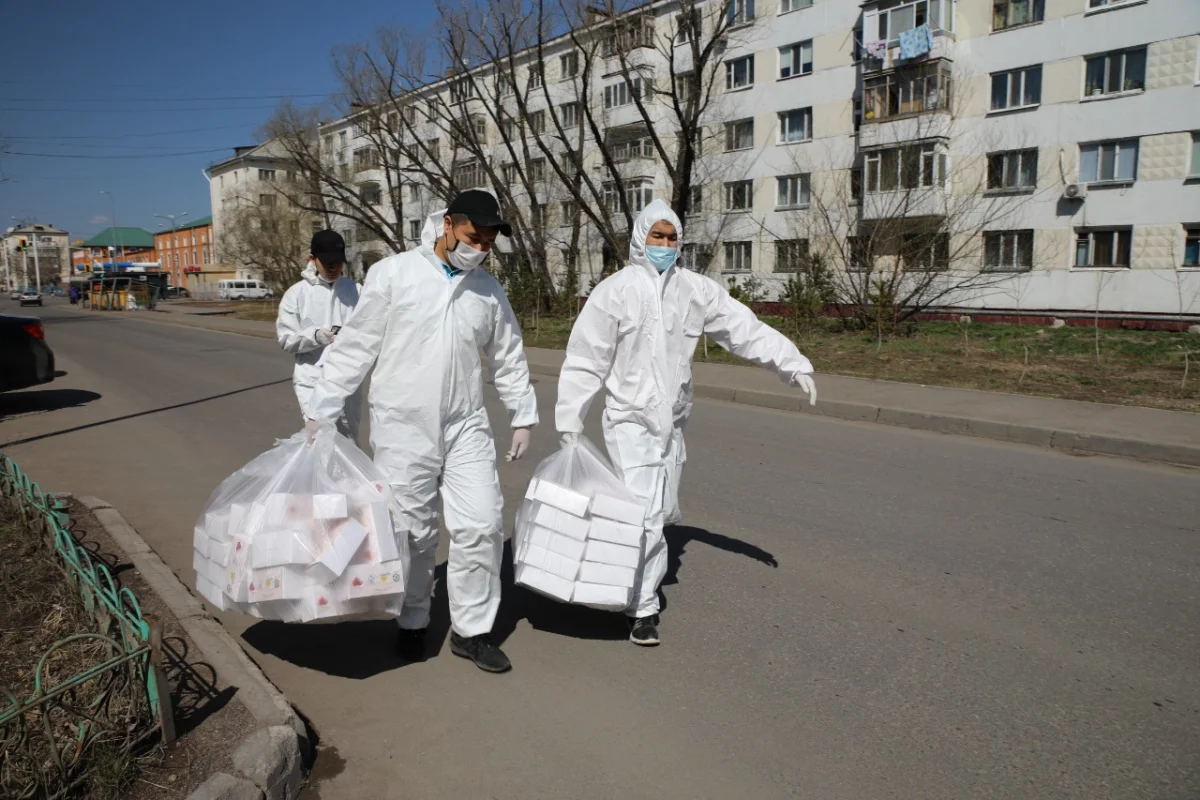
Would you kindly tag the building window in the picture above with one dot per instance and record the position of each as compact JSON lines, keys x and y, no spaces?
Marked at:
{"x":1108,"y":161}
{"x":266,"y":200}
{"x":508,"y":173}
{"x":907,"y":91}
{"x":568,"y":65}
{"x":414,"y":193}
{"x":207,"y":258}
{"x":923,"y":252}
{"x":796,"y":59}
{"x":623,"y":93}
{"x":1096,"y":247}
{"x":686,"y":27}
{"x":695,"y":200}
{"x":568,"y":211}
{"x":1013,"y":13}
{"x":901,"y":18}
{"x":739,"y":73}
{"x":370,"y":194}
{"x":537,"y":122}
{"x":739,"y":195}
{"x":569,"y":114}
{"x":1019,"y":88}
{"x":538,"y":216}
{"x":1115,"y":73}
{"x":793,"y":5}
{"x":791,"y":255}
{"x":737,"y":257}
{"x":266,"y":175}
{"x":740,"y":12}
{"x":537,"y":169}
{"x":1008,"y":251}
{"x":434,"y":148}
{"x":638,"y":194}
{"x":630,"y":149}
{"x":1191,"y":246}
{"x":1103,"y":3}
{"x":468,"y":175}
{"x":1013,"y":170}
{"x":696,"y":257}
{"x":364,"y":159}
{"x":414,"y":229}
{"x":911,"y":167}
{"x":795,"y":125}
{"x":535,"y":79}
{"x":739,"y":135}
{"x":462,"y":90}
{"x":792,"y":191}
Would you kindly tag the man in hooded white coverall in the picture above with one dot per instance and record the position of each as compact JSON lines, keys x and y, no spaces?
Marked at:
{"x":635,"y":338}
{"x":422,"y":321}
{"x":310,"y":315}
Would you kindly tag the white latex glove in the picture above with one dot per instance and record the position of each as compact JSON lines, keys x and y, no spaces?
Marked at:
{"x":805,"y":383}
{"x":312,"y":428}
{"x":520,"y":443}
{"x":569,"y":440}
{"x":325,"y":336}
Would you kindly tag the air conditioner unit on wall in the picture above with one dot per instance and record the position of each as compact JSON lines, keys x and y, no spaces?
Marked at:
{"x":1075,"y":191}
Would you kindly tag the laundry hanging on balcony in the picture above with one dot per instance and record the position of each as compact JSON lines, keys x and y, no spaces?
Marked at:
{"x":916,"y":42}
{"x":877,"y":49}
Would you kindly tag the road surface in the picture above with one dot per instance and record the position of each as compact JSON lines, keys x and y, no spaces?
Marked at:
{"x":853,"y":611}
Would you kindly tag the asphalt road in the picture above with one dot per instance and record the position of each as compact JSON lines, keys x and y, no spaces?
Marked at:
{"x":853,"y":611}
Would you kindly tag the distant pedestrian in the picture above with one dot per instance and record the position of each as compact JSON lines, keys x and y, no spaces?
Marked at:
{"x":310,"y":315}
{"x":73,"y":293}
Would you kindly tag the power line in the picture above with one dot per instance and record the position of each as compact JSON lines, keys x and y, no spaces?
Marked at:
{"x":93,"y":157}
{"x":128,"y":135}
{"x":152,"y":99}
{"x":142,"y":110}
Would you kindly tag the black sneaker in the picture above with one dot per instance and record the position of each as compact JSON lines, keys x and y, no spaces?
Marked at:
{"x":480,"y":649}
{"x":410,"y":644}
{"x":644,"y":631}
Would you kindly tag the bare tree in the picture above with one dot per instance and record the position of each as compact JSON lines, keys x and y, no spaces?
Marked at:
{"x":267,"y":235}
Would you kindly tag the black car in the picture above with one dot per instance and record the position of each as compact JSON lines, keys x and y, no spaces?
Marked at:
{"x":25,"y":358}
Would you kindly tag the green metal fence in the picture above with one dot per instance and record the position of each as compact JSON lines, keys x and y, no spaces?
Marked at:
{"x":121,"y":701}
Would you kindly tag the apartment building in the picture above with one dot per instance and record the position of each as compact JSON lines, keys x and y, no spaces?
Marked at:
{"x":1053,"y":146}
{"x":18,"y":246}
{"x":188,"y":248}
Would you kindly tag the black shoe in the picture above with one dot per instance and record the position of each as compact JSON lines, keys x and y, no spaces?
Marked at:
{"x":410,"y":644}
{"x":644,"y":631}
{"x":480,"y":649}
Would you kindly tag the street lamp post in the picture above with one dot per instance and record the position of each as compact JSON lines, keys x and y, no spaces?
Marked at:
{"x":172,"y":218}
{"x":113,"y":198}
{"x":37,"y":267}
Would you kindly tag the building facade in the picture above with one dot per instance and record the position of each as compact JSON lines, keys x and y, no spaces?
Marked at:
{"x":114,"y":248}
{"x":20,"y":245}
{"x":187,"y":249}
{"x":1036,"y":154}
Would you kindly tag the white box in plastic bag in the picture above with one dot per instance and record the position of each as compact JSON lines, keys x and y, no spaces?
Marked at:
{"x":608,"y":598}
{"x":544,"y":582}
{"x":616,"y":554}
{"x":620,"y":510}
{"x":606,"y":574}
{"x":220,"y":552}
{"x":213,"y":594}
{"x":560,"y":521}
{"x":372,"y":580}
{"x":553,"y":563}
{"x":276,"y":583}
{"x":216,"y":525}
{"x":607,"y":530}
{"x":555,"y":543}
{"x":330,"y":506}
{"x":281,"y":548}
{"x":560,"y":497}
{"x":377,"y":519}
{"x":200,"y":541}
{"x":345,"y":541}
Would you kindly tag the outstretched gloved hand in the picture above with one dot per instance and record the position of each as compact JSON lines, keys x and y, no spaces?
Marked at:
{"x":569,"y":439}
{"x":325,"y":336}
{"x":520,"y":443}
{"x":805,"y":383}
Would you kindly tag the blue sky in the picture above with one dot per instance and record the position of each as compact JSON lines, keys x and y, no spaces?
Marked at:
{"x":154,"y":79}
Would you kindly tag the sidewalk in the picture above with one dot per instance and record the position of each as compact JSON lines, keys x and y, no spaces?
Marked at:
{"x":1149,"y":434}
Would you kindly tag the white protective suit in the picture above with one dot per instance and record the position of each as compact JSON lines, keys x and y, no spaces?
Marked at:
{"x":635,"y":338}
{"x":424,"y":332}
{"x":307,"y":307}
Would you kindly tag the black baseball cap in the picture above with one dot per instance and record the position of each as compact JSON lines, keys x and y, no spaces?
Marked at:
{"x":329,"y":247}
{"x":481,"y":208}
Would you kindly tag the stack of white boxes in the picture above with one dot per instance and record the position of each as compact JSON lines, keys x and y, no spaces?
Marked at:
{"x":579,"y":548}
{"x":301,"y":557}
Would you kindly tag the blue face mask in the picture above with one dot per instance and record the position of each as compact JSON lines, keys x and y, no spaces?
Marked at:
{"x":661,"y":258}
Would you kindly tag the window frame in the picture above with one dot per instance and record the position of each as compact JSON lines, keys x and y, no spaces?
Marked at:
{"x":571,"y":59}
{"x":802,"y":190}
{"x":1017,"y":241}
{"x":791,"y":263}
{"x":1100,"y":146}
{"x":807,"y":125}
{"x":1005,"y":170}
{"x":731,"y":132}
{"x":632,"y":89}
{"x":1116,"y":232}
{"x":732,"y":189}
{"x":795,"y":48}
{"x":738,"y":251}
{"x":1191,"y":238}
{"x":910,"y":88}
{"x":1108,"y":57}
{"x":795,"y":5}
{"x":740,"y":12}
{"x":1008,"y":75}
{"x":906,"y":163}
{"x":568,"y":114}
{"x":1193,"y":171}
{"x":731,"y":66}
{"x":1037,"y":14}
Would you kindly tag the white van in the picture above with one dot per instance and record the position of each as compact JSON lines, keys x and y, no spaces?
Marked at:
{"x":243,"y":290}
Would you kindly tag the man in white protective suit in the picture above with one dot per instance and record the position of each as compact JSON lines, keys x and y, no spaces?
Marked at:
{"x":310,"y":315}
{"x":635,"y":338}
{"x":423,"y":320}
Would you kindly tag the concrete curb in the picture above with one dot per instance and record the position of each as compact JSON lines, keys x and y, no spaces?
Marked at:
{"x":271,"y":757}
{"x":1069,"y":441}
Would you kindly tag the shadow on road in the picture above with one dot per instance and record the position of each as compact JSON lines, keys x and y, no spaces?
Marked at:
{"x":41,"y":400}
{"x":355,"y":650}
{"x":141,"y":413}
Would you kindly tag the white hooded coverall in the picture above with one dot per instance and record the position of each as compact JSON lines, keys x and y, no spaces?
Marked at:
{"x":424,"y":331}
{"x":635,"y":338}
{"x":307,"y":307}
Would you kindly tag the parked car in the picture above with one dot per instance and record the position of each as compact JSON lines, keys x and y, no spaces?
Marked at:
{"x":176,"y":292}
{"x":16,"y":294}
{"x":31,"y":297}
{"x":25,"y":358}
{"x":243,"y":290}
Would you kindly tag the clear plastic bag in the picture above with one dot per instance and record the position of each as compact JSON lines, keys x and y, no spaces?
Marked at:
{"x":580,"y":532}
{"x":305,"y":532}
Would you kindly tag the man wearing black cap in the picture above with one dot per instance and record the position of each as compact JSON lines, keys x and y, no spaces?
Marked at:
{"x":310,"y":315}
{"x":424,"y":320}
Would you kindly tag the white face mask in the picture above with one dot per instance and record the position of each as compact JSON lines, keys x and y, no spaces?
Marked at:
{"x":465,"y":257}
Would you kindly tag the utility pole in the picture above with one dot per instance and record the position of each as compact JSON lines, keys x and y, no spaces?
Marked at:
{"x":172,"y":218}
{"x":7,"y":268}
{"x":113,"y":198}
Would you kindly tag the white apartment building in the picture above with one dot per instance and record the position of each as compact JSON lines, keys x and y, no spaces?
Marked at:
{"x":1063,"y":136}
{"x":18,"y":265}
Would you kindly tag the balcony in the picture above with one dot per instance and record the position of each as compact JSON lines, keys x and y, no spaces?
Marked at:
{"x":886,"y":21}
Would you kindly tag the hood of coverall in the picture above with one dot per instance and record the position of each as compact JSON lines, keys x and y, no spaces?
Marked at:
{"x":433,"y":229}
{"x":310,"y":273}
{"x":655,"y":212}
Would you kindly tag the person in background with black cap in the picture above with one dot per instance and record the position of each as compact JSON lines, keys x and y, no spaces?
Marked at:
{"x":310,"y":314}
{"x":424,"y":320}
